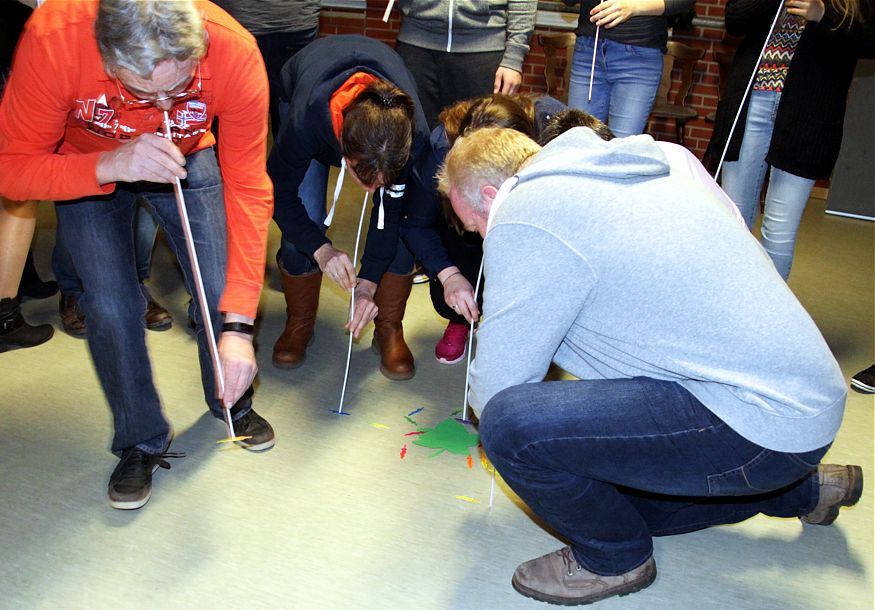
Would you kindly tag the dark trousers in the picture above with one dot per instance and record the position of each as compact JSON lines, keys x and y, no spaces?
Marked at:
{"x":466,"y":252}
{"x":442,"y":78}
{"x":609,"y":463}
{"x":277,"y":49}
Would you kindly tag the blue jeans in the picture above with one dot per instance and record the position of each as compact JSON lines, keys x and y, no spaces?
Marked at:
{"x":145,"y":232}
{"x":610,"y":463}
{"x":97,"y":233}
{"x":624,"y":85}
{"x":312,"y":191}
{"x":787,"y":194}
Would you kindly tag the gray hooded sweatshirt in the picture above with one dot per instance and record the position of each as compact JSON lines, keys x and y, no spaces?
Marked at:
{"x":601,"y":261}
{"x":470,"y":26}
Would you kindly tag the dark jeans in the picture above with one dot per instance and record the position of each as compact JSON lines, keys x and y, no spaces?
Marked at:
{"x":442,"y":78}
{"x":277,"y":49}
{"x":466,"y":252}
{"x":610,"y":463}
{"x":145,"y":232}
{"x":97,"y":233}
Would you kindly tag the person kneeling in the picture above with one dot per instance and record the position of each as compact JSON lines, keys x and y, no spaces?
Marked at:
{"x":685,"y":414}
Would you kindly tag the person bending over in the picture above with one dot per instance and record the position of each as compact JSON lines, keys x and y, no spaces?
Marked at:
{"x":103,"y":75}
{"x":684,"y":414}
{"x":349,"y":101}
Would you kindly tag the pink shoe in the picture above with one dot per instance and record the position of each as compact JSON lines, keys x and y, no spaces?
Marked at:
{"x":451,"y":348}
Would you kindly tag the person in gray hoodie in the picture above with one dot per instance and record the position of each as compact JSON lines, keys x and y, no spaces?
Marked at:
{"x":464,"y":49}
{"x":686,"y":412}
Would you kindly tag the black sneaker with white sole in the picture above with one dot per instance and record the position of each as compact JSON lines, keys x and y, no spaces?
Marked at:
{"x":256,"y":427}
{"x":864,"y":381}
{"x":130,"y":484}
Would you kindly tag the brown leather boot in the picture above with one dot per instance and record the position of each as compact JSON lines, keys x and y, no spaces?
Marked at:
{"x":302,"y":301}
{"x":396,"y":361}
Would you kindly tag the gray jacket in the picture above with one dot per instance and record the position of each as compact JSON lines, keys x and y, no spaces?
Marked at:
{"x":603,"y":262}
{"x":469,"y":26}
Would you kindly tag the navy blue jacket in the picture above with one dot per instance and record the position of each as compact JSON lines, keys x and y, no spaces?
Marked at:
{"x":306,"y":133}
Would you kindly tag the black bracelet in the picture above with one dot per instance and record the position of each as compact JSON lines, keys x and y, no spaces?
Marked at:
{"x":238,"y":327}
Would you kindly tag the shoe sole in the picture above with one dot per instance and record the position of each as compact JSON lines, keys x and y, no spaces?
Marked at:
{"x":259,"y":447}
{"x":286,"y":366}
{"x":445,"y":361}
{"x":159,"y":327}
{"x":862,"y":387}
{"x":646,"y":580}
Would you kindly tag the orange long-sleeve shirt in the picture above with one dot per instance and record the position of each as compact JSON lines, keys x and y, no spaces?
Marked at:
{"x":60,"y":111}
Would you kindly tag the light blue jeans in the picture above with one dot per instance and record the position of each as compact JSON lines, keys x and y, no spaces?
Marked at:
{"x":787,"y":194}
{"x":624,"y":84}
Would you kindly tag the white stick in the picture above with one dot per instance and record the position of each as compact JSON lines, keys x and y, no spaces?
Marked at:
{"x":592,"y":69}
{"x":199,"y":289}
{"x":355,"y":257}
{"x":470,"y":348}
{"x":492,"y":488}
{"x":388,"y":10}
{"x":746,"y":91}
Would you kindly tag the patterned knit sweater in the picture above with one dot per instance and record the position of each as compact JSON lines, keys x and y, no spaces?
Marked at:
{"x":808,"y":125}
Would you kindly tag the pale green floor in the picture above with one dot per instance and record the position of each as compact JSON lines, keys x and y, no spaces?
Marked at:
{"x":332,"y":517}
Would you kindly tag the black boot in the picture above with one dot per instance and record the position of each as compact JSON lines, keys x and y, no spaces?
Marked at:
{"x":15,"y":332}
{"x":31,"y":286}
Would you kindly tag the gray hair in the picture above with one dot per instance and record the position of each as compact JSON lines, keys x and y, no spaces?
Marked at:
{"x":137,"y":35}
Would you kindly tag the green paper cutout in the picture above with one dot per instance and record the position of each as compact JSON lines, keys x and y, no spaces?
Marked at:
{"x":449,"y":435}
{"x":410,"y":420}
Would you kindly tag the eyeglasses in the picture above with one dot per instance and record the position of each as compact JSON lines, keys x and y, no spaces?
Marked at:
{"x":172,"y":97}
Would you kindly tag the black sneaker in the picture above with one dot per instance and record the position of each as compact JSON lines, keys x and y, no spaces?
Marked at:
{"x":130,"y":485}
{"x":864,"y":381}
{"x":255,"y":426}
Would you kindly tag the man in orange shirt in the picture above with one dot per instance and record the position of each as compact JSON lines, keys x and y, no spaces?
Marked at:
{"x":82,"y":123}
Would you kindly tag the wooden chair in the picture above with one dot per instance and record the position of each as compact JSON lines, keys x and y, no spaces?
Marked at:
{"x":684,"y":58}
{"x":557,"y":45}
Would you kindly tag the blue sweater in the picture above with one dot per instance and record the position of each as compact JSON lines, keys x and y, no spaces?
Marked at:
{"x":630,"y":271}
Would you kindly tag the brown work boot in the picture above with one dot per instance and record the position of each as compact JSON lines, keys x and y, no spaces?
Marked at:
{"x":302,"y":301}
{"x":557,"y":578}
{"x":72,"y":318}
{"x":157,"y":318}
{"x":839,"y":486}
{"x":396,"y":361}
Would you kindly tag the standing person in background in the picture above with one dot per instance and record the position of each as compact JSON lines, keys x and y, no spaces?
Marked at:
{"x":281,"y":29}
{"x":104,"y":76}
{"x":632,"y":39}
{"x":792,"y":119}
{"x":464,"y":49}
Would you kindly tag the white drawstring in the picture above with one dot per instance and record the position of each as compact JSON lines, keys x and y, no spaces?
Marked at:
{"x":337,"y":186}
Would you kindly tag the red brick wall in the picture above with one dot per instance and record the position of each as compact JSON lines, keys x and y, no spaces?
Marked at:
{"x":703,"y":96}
